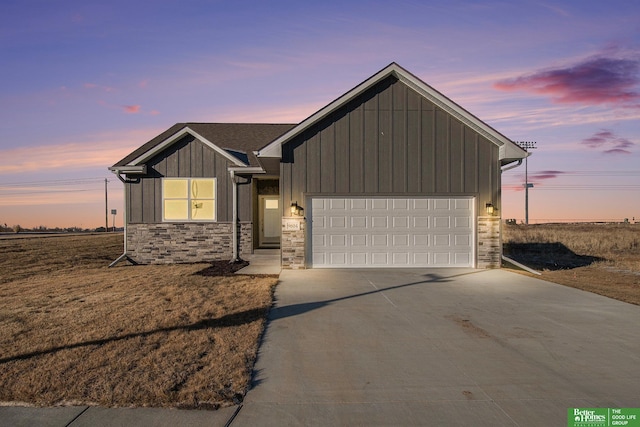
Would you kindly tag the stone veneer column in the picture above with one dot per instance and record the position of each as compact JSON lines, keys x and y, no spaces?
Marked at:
{"x":489,"y":242}
{"x":292,"y":244}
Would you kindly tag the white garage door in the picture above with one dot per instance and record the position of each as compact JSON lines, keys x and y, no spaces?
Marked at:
{"x":391,"y":232}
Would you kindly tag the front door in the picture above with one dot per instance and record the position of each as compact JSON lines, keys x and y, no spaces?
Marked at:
{"x":270,"y":222}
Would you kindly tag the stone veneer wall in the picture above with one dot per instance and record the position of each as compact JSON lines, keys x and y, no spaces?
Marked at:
{"x":489,"y":246}
{"x":292,"y":245}
{"x":168,"y":243}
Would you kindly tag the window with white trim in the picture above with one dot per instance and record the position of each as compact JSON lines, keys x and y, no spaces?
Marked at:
{"x":188,"y":199}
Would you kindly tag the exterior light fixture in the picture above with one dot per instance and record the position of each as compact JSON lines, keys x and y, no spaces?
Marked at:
{"x":295,"y":209}
{"x":489,"y":207}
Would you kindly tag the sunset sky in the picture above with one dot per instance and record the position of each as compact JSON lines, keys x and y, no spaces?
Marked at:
{"x":83,"y":83}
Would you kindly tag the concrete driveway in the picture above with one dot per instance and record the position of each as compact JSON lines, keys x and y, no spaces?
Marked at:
{"x":445,"y":347}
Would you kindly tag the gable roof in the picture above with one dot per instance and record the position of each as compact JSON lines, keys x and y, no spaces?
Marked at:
{"x":235,"y":141}
{"x":508,"y":150}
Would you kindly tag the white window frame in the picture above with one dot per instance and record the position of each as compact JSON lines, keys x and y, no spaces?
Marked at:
{"x":190,"y":199}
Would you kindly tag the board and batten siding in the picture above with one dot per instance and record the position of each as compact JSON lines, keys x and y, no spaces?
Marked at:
{"x":390,"y":141}
{"x":188,"y":158}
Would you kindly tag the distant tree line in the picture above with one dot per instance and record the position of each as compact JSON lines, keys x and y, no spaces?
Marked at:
{"x":17,"y":228}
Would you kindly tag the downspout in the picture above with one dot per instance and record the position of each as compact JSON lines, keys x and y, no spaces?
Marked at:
{"x":235,"y":257}
{"x":235,"y":241}
{"x":126,"y":220}
{"x":502,"y":257}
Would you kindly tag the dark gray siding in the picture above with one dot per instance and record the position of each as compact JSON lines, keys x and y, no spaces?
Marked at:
{"x":186,"y":158}
{"x":390,"y":141}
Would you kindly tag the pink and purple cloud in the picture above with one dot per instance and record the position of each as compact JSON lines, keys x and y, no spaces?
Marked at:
{"x":609,"y":141}
{"x":595,"y":81}
{"x":131,"y":109}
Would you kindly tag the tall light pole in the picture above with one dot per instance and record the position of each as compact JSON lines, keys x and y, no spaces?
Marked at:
{"x":526,"y":145}
{"x":106,"y":210}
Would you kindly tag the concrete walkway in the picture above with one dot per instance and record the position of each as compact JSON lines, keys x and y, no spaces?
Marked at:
{"x":440,"y":348}
{"x":262,"y":261}
{"x":446,"y":347}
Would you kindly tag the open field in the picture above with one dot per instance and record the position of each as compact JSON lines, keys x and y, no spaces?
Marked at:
{"x":600,"y":258}
{"x":73,"y":331}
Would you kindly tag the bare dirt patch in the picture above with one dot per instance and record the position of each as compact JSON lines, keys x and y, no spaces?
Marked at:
{"x":599,"y":258}
{"x":75,"y":332}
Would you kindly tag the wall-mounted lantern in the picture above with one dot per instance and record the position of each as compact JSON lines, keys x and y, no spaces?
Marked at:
{"x":296,"y":210}
{"x":489,"y":208}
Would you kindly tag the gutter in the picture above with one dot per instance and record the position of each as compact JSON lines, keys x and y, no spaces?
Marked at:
{"x":512,"y":166}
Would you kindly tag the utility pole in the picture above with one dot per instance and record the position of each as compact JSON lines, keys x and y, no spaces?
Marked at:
{"x":106,"y":209}
{"x":526,"y":145}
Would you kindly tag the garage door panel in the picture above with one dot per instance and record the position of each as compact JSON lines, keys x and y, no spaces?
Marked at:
{"x":338,"y":258}
{"x":377,"y":232}
{"x":338,"y":241}
{"x":442,"y":258}
{"x":421,"y":240}
{"x":420,"y":204}
{"x":462,"y":240}
{"x":441,"y":204}
{"x":442,"y":240}
{"x":400,"y":204}
{"x":421,"y":222}
{"x":462,"y":222}
{"x":442,"y":222}
{"x":400,"y":240}
{"x":379,"y":222}
{"x":400,"y":222}
{"x":379,"y":259}
{"x":337,"y":204}
{"x":380,"y":240}
{"x":421,"y":258}
{"x":379,"y":204}
{"x":317,"y":204}
{"x":359,"y":259}
{"x":358,"y":204}
{"x":359,"y":240}
{"x":337,"y":222}
{"x":319,"y":258}
{"x":462,"y":258}
{"x":359,"y":222}
{"x":319,"y":241}
{"x":318,"y":223}
{"x":400,"y":259}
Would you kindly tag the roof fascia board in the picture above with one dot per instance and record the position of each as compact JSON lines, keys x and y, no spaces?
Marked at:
{"x":507,"y":147}
{"x":174,"y":138}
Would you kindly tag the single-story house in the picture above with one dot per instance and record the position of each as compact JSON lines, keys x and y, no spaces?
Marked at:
{"x":390,"y":174}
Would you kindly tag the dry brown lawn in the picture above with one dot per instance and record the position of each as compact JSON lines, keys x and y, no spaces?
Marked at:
{"x":73,"y":331}
{"x":599,"y":258}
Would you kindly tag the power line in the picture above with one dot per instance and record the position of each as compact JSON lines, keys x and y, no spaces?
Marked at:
{"x":590,"y":172}
{"x":567,"y":188}
{"x":54,"y":183}
{"x":20,"y":193}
